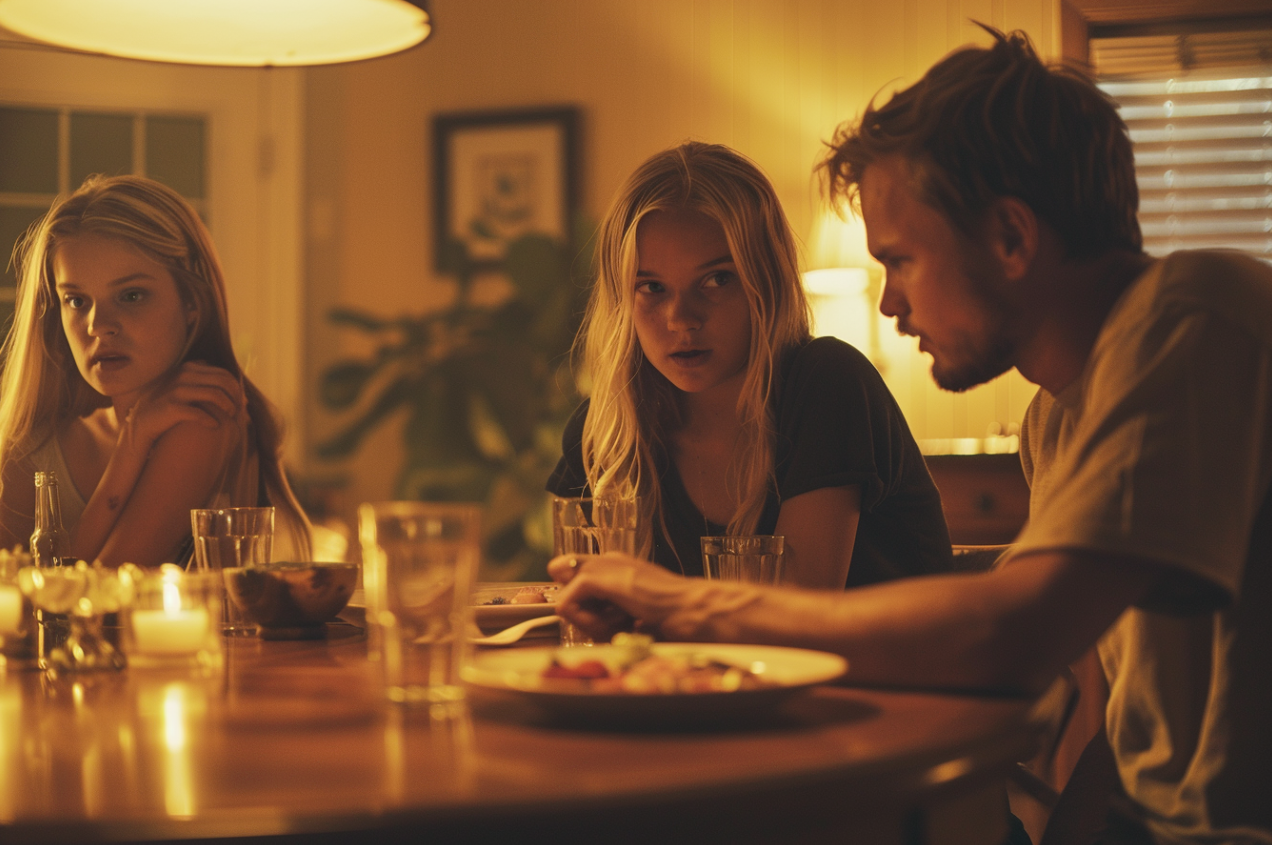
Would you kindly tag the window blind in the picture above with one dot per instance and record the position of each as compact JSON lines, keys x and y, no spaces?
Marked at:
{"x":1199,"y":110}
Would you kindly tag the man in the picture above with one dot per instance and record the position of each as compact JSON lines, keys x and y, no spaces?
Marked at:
{"x":1000,"y":197}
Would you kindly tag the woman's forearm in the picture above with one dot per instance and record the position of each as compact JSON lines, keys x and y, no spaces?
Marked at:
{"x":107,"y":502}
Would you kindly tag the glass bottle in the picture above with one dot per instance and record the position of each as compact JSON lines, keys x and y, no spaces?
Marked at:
{"x":50,"y":546}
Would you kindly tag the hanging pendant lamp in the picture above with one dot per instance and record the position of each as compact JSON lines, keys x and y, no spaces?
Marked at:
{"x":242,"y":33}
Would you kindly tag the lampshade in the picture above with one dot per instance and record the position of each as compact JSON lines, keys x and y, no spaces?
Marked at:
{"x":243,"y":33}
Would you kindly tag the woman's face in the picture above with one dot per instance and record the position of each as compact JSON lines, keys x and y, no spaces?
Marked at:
{"x":691,"y":313}
{"x":122,"y":315}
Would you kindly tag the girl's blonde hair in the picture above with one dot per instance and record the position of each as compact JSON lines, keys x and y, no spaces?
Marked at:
{"x":41,"y":385}
{"x":633,"y":407}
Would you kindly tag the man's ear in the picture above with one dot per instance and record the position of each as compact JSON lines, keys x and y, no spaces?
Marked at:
{"x":1013,"y":233}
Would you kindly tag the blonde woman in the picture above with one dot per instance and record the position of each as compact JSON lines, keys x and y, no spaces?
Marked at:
{"x":711,"y":402}
{"x":119,"y":375}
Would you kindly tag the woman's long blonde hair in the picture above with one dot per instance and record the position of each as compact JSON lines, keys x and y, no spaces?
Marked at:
{"x":41,"y":385}
{"x":633,"y":407}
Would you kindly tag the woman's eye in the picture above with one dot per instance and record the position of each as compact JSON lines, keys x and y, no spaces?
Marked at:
{"x":650,"y":287}
{"x":73,"y":301}
{"x":132,"y":296}
{"x":717,"y":280}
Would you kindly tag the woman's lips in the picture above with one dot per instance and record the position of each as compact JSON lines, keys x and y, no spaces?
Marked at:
{"x":690,"y":357}
{"x":109,"y":362}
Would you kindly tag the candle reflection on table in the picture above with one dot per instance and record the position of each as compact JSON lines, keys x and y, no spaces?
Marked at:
{"x":178,"y":787}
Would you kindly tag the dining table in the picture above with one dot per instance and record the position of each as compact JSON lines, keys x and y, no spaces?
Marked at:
{"x":293,"y":741}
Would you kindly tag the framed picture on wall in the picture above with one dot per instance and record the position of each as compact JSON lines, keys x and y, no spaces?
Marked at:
{"x":501,"y":175}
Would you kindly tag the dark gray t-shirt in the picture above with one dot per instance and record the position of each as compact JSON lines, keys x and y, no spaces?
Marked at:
{"x":837,"y":426}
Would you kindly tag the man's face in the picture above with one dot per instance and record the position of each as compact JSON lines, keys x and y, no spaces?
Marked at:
{"x":941,"y":287}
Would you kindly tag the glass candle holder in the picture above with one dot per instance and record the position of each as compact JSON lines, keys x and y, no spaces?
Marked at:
{"x":19,"y":631}
{"x":175,"y":620}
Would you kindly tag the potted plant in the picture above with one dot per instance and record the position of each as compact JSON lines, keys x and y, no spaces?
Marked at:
{"x":487,"y":390}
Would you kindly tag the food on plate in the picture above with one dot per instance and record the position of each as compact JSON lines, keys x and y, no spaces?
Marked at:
{"x":633,"y":668}
{"x":531,"y":594}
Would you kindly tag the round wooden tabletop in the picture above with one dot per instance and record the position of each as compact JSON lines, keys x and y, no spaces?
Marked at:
{"x":292,"y":741}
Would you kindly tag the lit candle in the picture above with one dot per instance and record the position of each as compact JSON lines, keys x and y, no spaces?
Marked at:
{"x":171,"y":630}
{"x":10,"y":609}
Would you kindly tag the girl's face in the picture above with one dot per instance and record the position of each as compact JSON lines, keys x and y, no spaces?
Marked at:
{"x":691,"y":313}
{"x":122,"y":315}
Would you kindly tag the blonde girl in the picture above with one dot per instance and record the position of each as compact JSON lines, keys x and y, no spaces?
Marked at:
{"x":120,"y":376}
{"x":711,"y":402}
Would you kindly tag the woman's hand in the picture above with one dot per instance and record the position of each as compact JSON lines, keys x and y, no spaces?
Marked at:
{"x":199,"y":393}
{"x":614,"y":592}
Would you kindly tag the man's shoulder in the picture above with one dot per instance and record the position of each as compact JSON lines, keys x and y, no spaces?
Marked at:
{"x":1231,"y":284}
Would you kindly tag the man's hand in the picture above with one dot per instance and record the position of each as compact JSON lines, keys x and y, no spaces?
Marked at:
{"x":609,"y":593}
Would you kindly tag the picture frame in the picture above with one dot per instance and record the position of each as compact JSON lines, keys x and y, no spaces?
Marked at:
{"x":499,"y":175}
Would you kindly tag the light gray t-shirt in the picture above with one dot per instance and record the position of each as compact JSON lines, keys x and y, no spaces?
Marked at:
{"x":1162,"y":450}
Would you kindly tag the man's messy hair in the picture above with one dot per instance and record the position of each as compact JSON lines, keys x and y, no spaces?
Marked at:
{"x":993,"y":122}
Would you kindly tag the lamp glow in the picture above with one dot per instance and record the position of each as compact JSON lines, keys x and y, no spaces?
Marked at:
{"x":241,"y":33}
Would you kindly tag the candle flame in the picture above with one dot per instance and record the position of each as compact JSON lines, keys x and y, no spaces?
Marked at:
{"x":171,"y":598}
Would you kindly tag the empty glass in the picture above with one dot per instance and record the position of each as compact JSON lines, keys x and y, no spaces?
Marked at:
{"x":232,"y":538}
{"x":419,"y":560}
{"x":591,"y":526}
{"x":751,"y":559}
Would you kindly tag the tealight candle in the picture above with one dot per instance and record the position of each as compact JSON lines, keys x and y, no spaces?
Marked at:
{"x":10,"y":609}
{"x":172,"y":630}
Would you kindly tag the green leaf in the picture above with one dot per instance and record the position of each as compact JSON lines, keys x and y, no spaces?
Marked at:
{"x":342,"y":383}
{"x":343,"y":444}
{"x":357,"y":319}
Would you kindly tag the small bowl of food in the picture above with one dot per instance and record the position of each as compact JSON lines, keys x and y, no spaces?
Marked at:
{"x":496,"y":605}
{"x":291,"y":601}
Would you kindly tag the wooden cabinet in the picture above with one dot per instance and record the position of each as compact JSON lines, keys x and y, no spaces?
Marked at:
{"x":985,"y":497}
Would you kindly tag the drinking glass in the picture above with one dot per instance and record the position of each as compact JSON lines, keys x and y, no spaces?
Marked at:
{"x":751,"y":559}
{"x":591,"y":527}
{"x":227,"y":539}
{"x":419,"y":560}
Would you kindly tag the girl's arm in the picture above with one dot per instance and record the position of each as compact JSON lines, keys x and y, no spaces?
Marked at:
{"x":170,"y":454}
{"x":820,"y":527}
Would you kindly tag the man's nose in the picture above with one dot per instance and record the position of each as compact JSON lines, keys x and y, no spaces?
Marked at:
{"x":892,"y":302}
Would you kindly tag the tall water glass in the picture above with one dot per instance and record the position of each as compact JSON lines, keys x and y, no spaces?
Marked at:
{"x":751,"y":559}
{"x":228,"y":539}
{"x":419,"y":560}
{"x":591,"y":526}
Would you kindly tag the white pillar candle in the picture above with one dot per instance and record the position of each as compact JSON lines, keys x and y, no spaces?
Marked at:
{"x":10,"y":609}
{"x":170,"y":631}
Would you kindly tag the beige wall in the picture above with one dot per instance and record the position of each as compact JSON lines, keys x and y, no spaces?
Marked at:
{"x":769,"y":77}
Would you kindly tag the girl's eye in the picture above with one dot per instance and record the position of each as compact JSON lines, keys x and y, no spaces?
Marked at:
{"x":73,"y":301}
{"x":132,"y":296}
{"x":650,"y":287}
{"x":717,"y":280}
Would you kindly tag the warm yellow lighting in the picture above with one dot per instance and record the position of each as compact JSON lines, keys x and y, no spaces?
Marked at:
{"x":838,"y":283}
{"x":838,"y":241}
{"x":178,"y":782}
{"x":243,"y":33}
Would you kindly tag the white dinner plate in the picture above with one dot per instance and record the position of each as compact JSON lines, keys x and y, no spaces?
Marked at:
{"x":520,"y":672}
{"x":495,"y":617}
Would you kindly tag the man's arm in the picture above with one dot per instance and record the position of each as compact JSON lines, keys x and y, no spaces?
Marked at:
{"x":1013,"y":629}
